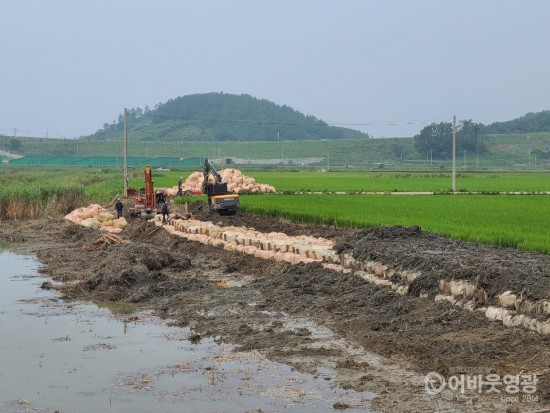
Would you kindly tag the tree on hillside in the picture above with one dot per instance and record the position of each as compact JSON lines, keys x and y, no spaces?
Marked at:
{"x":468,"y":137}
{"x":435,"y":141}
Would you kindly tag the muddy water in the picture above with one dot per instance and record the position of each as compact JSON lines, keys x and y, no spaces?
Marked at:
{"x":77,"y":357}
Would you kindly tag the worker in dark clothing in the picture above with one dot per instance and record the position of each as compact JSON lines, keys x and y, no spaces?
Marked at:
{"x":165,"y":212}
{"x":119,"y":207}
{"x":180,"y":184}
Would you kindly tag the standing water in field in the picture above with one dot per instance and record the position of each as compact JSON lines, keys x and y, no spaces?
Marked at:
{"x":76,"y":357}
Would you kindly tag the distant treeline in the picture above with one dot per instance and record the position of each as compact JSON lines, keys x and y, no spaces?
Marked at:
{"x":435,"y":140}
{"x":529,"y":123}
{"x":222,"y":117}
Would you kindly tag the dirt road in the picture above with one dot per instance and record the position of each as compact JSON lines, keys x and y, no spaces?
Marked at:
{"x":337,"y":326}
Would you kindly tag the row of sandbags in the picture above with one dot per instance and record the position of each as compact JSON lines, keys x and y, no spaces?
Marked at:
{"x":281,"y":247}
{"x":95,"y":216}
{"x":275,"y":245}
{"x":235,"y":180}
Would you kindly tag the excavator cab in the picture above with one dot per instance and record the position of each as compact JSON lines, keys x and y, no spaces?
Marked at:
{"x":220,"y":199}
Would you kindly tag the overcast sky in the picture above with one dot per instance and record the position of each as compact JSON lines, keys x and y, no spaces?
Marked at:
{"x":387,"y":67}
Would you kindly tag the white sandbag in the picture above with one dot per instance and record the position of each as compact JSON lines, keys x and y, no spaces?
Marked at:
{"x":495,"y":313}
{"x":90,"y":223}
{"x":120,"y":223}
{"x":506,"y":300}
{"x":105,"y":216}
{"x":111,"y":230}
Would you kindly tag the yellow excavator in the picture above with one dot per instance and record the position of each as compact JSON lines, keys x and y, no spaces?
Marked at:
{"x":220,"y":199}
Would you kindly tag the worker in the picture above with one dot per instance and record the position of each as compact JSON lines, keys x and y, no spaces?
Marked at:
{"x":165,"y":212}
{"x":119,"y":207}
{"x":180,"y":184}
{"x":160,"y":198}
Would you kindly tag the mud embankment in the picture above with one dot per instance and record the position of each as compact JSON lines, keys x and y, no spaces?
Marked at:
{"x":278,"y":308}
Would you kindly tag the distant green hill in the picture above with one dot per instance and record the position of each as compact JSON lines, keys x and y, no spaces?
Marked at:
{"x":222,"y":117}
{"x":529,"y":123}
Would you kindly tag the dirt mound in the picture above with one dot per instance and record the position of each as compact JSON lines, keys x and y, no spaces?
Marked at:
{"x":492,"y":268}
{"x":75,"y":232}
{"x":134,"y":285}
{"x":393,"y":232}
{"x":131,"y":272}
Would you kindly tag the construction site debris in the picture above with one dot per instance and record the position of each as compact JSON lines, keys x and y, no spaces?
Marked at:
{"x":110,"y":239}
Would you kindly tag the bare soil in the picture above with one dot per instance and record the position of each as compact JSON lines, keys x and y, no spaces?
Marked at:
{"x":333,"y":325}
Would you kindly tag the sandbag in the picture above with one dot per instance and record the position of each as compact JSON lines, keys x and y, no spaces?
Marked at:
{"x":120,"y":223}
{"x":105,"y":216}
{"x":90,"y":223}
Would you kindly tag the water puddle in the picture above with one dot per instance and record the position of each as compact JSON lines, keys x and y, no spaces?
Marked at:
{"x":78,"y":357}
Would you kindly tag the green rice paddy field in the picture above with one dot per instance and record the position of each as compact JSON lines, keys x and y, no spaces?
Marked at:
{"x":517,"y":221}
{"x":403,"y":181}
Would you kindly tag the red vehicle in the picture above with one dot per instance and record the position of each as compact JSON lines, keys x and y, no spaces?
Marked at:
{"x":145,"y":203}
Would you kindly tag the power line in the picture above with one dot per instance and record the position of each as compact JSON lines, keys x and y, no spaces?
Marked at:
{"x":317,"y":122}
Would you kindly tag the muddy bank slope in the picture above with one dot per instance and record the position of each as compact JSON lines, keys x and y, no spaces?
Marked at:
{"x":277,"y":308}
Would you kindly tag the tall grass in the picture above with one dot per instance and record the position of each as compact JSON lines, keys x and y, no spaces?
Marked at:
{"x":35,"y":201}
{"x":27,"y":193}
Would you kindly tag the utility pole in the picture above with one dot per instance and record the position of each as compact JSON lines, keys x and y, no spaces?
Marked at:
{"x":454,"y":155}
{"x":529,"y":156}
{"x":125,"y":152}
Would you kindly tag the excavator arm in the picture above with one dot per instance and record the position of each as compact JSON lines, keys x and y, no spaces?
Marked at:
{"x":210,"y":170}
{"x":144,"y":204}
{"x":149,"y":190}
{"x":219,"y":198}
